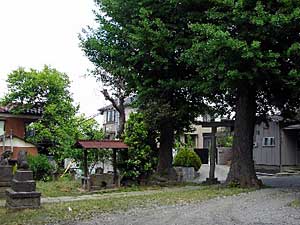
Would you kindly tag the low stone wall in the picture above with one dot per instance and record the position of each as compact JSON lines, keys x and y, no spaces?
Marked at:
{"x":185,"y":174}
{"x":224,"y":155}
{"x":101,"y":181}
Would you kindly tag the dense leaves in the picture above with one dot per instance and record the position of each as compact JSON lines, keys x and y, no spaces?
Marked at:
{"x":141,"y":43}
{"x":186,"y":156}
{"x":47,"y":90}
{"x":140,"y":160}
{"x":249,"y":50}
{"x":58,"y":127}
{"x":41,"y":167}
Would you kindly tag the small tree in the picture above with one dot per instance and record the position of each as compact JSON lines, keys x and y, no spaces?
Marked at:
{"x":140,"y":160}
{"x":47,"y":90}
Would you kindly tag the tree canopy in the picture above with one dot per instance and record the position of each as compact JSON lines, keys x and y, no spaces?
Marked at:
{"x":142,"y":43}
{"x":59,"y":127}
{"x":249,"y":50}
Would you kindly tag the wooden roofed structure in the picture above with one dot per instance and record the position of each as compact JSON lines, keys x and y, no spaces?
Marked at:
{"x":98,"y":145}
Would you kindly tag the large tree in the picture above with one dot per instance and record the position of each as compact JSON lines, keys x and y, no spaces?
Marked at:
{"x":107,"y":48}
{"x":46,"y":90}
{"x":142,"y":42}
{"x":249,"y":50}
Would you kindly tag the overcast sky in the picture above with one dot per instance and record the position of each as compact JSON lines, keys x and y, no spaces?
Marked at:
{"x":39,"y":32}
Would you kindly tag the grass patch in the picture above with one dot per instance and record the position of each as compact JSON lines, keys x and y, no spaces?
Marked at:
{"x":80,"y":210}
{"x":295,"y":203}
{"x":61,"y":187}
{"x":66,"y":187}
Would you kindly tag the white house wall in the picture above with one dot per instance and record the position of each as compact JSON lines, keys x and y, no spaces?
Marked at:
{"x":198,"y":130}
{"x":266,"y":155}
{"x":289,"y":147}
{"x":128,"y":111}
{"x":17,"y":142}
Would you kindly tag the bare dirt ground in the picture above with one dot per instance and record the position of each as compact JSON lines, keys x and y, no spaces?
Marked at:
{"x":262,"y":207}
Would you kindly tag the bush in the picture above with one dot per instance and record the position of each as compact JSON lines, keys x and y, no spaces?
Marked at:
{"x":139,"y":162}
{"x":188,"y":158}
{"x":225,"y":141}
{"x":41,"y":167}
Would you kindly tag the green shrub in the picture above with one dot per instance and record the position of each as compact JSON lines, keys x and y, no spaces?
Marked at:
{"x":188,"y":158}
{"x":41,"y":167}
{"x":140,"y":160}
{"x":225,"y":141}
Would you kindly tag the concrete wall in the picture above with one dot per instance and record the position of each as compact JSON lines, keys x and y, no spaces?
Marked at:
{"x":266,"y":155}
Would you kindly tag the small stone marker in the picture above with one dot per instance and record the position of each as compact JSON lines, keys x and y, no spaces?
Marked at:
{"x":6,"y":174}
{"x":5,"y":179}
{"x":22,"y":193}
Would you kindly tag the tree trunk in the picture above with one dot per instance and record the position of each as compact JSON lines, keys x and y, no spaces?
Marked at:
{"x":242,"y":170}
{"x":121,"y":121}
{"x":165,"y":156}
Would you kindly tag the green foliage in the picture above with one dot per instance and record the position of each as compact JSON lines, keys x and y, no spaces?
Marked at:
{"x":249,"y":45}
{"x":141,"y":44}
{"x":47,"y":90}
{"x":187,"y":157}
{"x":225,"y":141}
{"x":140,"y":160}
{"x":58,"y":128}
{"x":41,"y":167}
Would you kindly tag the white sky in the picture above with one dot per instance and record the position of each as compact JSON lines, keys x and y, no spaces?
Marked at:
{"x":38,"y":32}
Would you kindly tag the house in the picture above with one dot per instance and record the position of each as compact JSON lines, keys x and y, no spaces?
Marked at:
{"x":13,"y":130}
{"x":111,"y":118}
{"x":277,"y":144}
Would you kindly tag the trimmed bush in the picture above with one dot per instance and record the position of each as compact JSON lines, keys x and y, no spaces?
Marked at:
{"x":187,"y":158}
{"x":41,"y":167}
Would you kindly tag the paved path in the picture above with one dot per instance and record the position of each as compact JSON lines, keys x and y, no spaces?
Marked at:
{"x":263,"y":207}
{"x":281,"y":182}
{"x":108,"y":195}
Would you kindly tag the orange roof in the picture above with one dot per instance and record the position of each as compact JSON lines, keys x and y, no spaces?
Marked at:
{"x":104,"y":144}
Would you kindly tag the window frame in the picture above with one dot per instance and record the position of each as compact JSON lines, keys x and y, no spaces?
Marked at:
{"x":268,"y":141}
{"x":3,"y":127}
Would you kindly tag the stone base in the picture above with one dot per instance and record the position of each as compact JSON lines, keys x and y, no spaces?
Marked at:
{"x":3,"y":187}
{"x":23,"y":175}
{"x":101,"y":181}
{"x":185,"y":174}
{"x":22,"y":200}
{"x":210,"y":181}
{"x":23,"y":186}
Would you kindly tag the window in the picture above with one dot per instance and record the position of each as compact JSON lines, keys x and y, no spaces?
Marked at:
{"x":111,"y":116}
{"x":2,"y":126}
{"x":268,"y":141}
{"x":206,"y":118}
{"x":29,"y":131}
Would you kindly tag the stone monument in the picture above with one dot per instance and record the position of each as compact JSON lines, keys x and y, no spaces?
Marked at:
{"x":22,"y":193}
{"x":5,"y":173}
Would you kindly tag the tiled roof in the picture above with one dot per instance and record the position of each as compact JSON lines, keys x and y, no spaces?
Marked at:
{"x":32,"y":111}
{"x":104,"y":144}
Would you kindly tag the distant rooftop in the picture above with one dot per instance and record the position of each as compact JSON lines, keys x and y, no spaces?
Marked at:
{"x":10,"y":109}
{"x":127,"y":102}
{"x":104,"y":144}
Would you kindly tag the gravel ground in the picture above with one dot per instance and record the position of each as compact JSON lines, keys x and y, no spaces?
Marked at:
{"x":263,"y":207}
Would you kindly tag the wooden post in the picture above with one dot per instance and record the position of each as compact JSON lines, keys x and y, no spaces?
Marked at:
{"x":115,"y":167}
{"x":85,"y":168}
{"x":212,"y":158}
